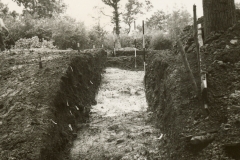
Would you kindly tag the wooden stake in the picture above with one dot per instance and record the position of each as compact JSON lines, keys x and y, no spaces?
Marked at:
{"x":135,"y":44}
{"x":195,"y":33}
{"x":144,"y":62}
{"x":78,"y":46}
{"x":40,"y":61}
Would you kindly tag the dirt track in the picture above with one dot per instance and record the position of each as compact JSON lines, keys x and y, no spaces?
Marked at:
{"x":118,"y":127}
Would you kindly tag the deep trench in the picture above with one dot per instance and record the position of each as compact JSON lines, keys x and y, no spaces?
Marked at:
{"x":76,"y":94}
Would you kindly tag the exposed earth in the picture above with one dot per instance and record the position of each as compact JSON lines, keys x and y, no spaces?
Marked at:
{"x":118,"y":126}
{"x":89,"y":106}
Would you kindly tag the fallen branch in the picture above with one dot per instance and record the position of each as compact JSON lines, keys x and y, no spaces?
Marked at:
{"x":187,"y":66}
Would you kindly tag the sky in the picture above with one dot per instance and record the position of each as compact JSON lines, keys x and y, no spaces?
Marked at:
{"x":83,"y":10}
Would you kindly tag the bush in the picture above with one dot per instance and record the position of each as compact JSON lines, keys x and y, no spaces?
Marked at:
{"x":160,"y":41}
{"x":108,"y":42}
{"x":63,"y":30}
{"x":66,"y":33}
{"x":27,"y":43}
{"x":126,"y":41}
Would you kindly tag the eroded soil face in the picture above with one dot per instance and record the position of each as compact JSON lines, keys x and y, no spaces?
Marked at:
{"x":118,"y":127}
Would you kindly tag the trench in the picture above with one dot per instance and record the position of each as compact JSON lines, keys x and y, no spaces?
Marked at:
{"x":119,"y":126}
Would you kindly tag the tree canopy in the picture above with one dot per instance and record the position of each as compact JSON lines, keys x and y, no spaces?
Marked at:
{"x":157,"y":20}
{"x":133,"y":9}
{"x":43,"y":8}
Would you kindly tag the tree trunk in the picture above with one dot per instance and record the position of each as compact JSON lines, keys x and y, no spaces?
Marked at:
{"x":218,"y":15}
{"x":117,"y":21}
{"x":129,"y":28}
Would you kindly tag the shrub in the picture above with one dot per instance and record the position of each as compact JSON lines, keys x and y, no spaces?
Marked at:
{"x":160,"y":41}
{"x":27,"y":43}
{"x":63,"y":30}
{"x":66,"y":33}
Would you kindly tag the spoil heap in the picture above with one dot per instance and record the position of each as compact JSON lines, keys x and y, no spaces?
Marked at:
{"x":191,"y":132}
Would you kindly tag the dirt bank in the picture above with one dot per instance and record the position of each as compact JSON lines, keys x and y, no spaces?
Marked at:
{"x":126,"y":62}
{"x":170,"y":97}
{"x":40,"y":107}
{"x":180,"y":115}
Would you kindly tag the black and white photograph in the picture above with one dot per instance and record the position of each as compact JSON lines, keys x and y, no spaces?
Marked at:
{"x":119,"y":79}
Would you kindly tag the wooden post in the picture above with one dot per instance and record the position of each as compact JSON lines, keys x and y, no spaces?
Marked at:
{"x":187,"y":66}
{"x":204,"y":89}
{"x":78,"y":46}
{"x":40,"y":61}
{"x":144,"y":61}
{"x":135,"y":44}
{"x":200,"y":38}
{"x":195,"y":34}
{"x":143,"y":45}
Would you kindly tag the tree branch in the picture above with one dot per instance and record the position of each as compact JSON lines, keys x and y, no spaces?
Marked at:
{"x":105,"y":14}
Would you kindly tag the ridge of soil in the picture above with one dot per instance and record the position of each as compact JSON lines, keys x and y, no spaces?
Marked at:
{"x":126,"y":62}
{"x":181,"y":116}
{"x":39,"y":108}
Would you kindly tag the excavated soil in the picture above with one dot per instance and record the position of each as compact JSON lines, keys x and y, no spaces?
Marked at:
{"x":192,"y":132}
{"x":39,"y":108}
{"x":118,"y":126}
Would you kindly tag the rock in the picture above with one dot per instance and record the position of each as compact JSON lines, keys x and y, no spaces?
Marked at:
{"x":113,"y":127}
{"x":120,"y":141}
{"x":233,"y":41}
{"x":220,"y":62}
{"x":196,"y":140}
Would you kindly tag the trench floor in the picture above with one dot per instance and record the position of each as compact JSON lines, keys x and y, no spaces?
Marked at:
{"x":119,"y":126}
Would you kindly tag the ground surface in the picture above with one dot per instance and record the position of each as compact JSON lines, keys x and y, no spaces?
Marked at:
{"x":118,"y":127}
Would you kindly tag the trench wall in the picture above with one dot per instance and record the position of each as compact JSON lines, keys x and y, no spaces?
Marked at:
{"x":42,"y":109}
